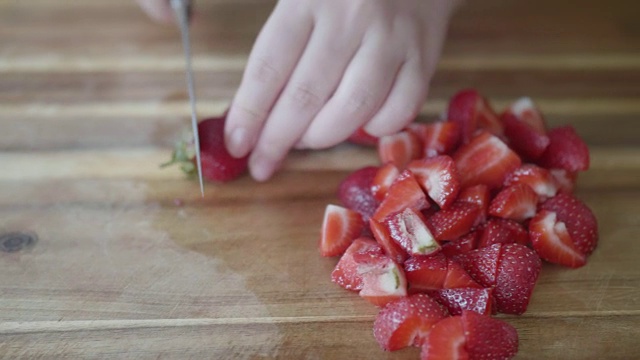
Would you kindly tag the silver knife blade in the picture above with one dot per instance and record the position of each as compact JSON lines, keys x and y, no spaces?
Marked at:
{"x":182,"y":9}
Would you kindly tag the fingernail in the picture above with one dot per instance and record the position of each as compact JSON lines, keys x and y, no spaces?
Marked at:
{"x":261,"y":167}
{"x":239,"y":142}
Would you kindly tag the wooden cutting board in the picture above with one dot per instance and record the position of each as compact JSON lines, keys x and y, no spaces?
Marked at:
{"x":114,"y":258}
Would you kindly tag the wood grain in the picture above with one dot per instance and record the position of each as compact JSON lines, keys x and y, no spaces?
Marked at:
{"x":126,"y":259}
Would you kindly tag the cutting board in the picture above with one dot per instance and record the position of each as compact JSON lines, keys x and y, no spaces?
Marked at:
{"x":105,"y":255}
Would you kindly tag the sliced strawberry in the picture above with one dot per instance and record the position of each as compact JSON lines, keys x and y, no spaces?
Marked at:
{"x":454,"y":222}
{"x":361,"y":137}
{"x":339,"y":228}
{"x":526,"y":111}
{"x":478,"y":194}
{"x":346,"y":273}
{"x":482,"y":264}
{"x":485,"y":160}
{"x":566,"y":150}
{"x":403,"y":193}
{"x":457,"y":277}
{"x":539,"y":179}
{"x":409,"y":230}
{"x":439,"y":138}
{"x":383,"y":281}
{"x":518,"y":272}
{"x":470,"y":111}
{"x":461,"y":245}
{"x":383,"y":179}
{"x":488,"y":338}
{"x":355,"y":191}
{"x":503,"y":231}
{"x":426,"y":272}
{"x":517,"y":202}
{"x":406,"y":322}
{"x":438,"y":177}
{"x":458,"y":299}
{"x":525,"y":129}
{"x":391,"y":248}
{"x":551,"y":240}
{"x":399,"y":148}
{"x":579,"y":219}
{"x":446,"y":341}
{"x":566,"y":180}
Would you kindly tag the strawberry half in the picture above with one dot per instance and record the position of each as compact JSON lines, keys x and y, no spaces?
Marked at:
{"x":454,"y":222}
{"x":551,"y":240}
{"x":458,"y":299}
{"x":525,"y":129}
{"x":438,"y":177}
{"x":482,"y":264}
{"x":383,"y":281}
{"x":480,"y":195}
{"x":471,"y":111}
{"x":457,"y":277}
{"x":347,"y":273}
{"x":406,"y":322}
{"x":355,"y":193}
{"x":446,"y":341}
{"x":399,"y":148}
{"x":439,"y":138}
{"x":485,"y":160}
{"x":517,"y":202}
{"x":461,"y":245}
{"x":403,"y":193}
{"x":566,"y":180}
{"x":385,"y":176}
{"x":339,"y":228}
{"x":579,"y":219}
{"x":361,"y":137}
{"x":503,"y":231}
{"x":539,"y":179}
{"x":408,"y":229}
{"x":391,"y":248}
{"x":426,"y":272}
{"x":517,"y":274}
{"x":566,"y":150}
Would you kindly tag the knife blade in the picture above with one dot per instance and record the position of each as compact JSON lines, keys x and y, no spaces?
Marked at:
{"x":182,"y":10}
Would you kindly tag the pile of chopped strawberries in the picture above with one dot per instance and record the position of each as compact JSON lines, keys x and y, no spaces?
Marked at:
{"x":454,"y":224}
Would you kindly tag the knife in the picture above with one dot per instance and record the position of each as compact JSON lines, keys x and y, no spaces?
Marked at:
{"x":182,"y":10}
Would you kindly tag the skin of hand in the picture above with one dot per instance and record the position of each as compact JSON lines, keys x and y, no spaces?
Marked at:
{"x":321,"y":69}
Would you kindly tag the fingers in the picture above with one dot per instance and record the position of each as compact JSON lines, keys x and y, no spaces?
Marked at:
{"x":272,"y":60}
{"x":158,"y":10}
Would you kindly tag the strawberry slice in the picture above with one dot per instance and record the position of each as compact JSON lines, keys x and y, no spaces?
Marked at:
{"x":347,"y":273}
{"x":518,"y":272}
{"x":461,"y":245}
{"x":446,"y":341}
{"x":385,"y":176}
{"x":399,"y":148}
{"x":406,"y":322}
{"x":439,"y":138}
{"x":482,"y":264}
{"x":470,"y":111}
{"x":526,"y":111}
{"x":458,"y":299}
{"x":503,"y":231}
{"x":539,"y":179}
{"x":478,"y":194}
{"x":403,"y":193}
{"x":383,"y":281}
{"x":485,"y":160}
{"x":488,"y":338}
{"x":579,"y":219}
{"x":340,"y":227}
{"x":408,"y":229}
{"x":457,"y":277}
{"x":438,"y":177}
{"x":363,"y":138}
{"x":566,"y":150}
{"x":391,"y":248}
{"x":517,"y":202}
{"x":566,"y":180}
{"x":551,"y":240}
{"x":454,"y":222}
{"x":426,"y":272}
{"x":355,"y":191}
{"x":525,"y":129}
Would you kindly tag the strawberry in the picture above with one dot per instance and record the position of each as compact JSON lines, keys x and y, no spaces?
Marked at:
{"x":426,"y":272}
{"x":458,"y":299}
{"x":503,"y":231}
{"x":566,"y":180}
{"x":551,"y":240}
{"x":408,"y":229}
{"x":539,"y":179}
{"x":517,"y":202}
{"x":566,"y":150}
{"x":406,"y":322}
{"x":470,"y":111}
{"x":478,"y":194}
{"x":446,"y":341}
{"x":457,"y":277}
{"x":438,"y":177}
{"x":482,"y":264}
{"x":461,"y":245}
{"x":579,"y":219}
{"x":526,"y":111}
{"x":454,"y":222}
{"x":217,"y":164}
{"x":361,"y":137}
{"x":518,"y":272}
{"x":339,"y":228}
{"x":391,"y":248}
{"x":525,"y":129}
{"x":385,"y":176}
{"x":347,"y":273}
{"x":403,"y":193}
{"x":399,"y":148}
{"x":383,"y":281}
{"x":485,"y":160}
{"x":355,"y":191}
{"x":439,"y":138}
{"x":488,"y":338}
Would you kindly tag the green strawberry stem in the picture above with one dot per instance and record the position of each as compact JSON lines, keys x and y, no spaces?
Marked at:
{"x":183,"y":154}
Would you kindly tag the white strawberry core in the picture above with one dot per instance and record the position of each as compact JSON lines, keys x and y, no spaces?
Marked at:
{"x":422,"y":241}
{"x":556,"y":229}
{"x":521,"y":105}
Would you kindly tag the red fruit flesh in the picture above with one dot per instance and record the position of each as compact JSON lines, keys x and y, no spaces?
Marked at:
{"x":518,"y":272}
{"x":361,"y":137}
{"x":408,"y":229}
{"x":482,"y":264}
{"x":539,"y":179}
{"x":461,"y":245}
{"x":566,"y":180}
{"x":383,"y":282}
{"x":399,"y":148}
{"x":579,"y":219}
{"x":457,"y":277}
{"x":339,"y":228}
{"x":517,"y":202}
{"x":446,"y":341}
{"x":382,"y":181}
{"x":391,"y":248}
{"x":566,"y":150}
{"x":439,"y":138}
{"x":217,"y":163}
{"x":525,"y":129}
{"x":426,"y":272}
{"x":488,"y":338}
{"x":454,"y":222}
{"x":503,"y":231}
{"x":470,"y":111}
{"x":459,"y":299}
{"x":478,"y":194}
{"x":355,"y":193}
{"x":438,"y":177}
{"x":347,"y":273}
{"x":403,"y":193}
{"x":551,"y":240}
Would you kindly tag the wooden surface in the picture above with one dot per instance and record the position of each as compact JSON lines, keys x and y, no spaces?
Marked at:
{"x":129,"y":262}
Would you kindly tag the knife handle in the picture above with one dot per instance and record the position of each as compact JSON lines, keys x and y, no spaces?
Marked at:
{"x":183,"y":7}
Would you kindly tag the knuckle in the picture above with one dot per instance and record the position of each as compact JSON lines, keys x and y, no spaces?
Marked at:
{"x":360,"y":100}
{"x":304,"y":97}
{"x":249,"y":114}
{"x":264,"y":71}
